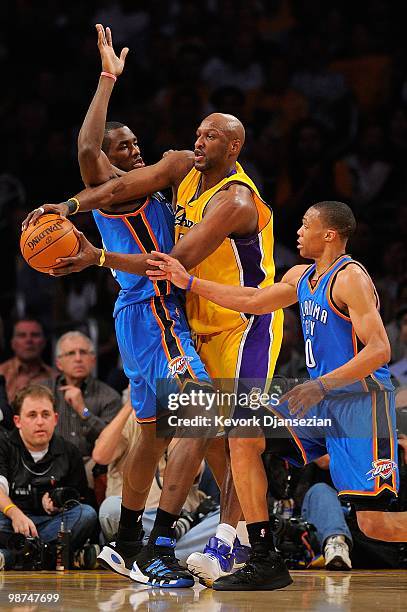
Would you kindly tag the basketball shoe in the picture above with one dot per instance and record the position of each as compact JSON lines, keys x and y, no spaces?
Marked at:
{"x":157,"y":566}
{"x":120,"y":556}
{"x":218,"y":559}
{"x":264,"y":571}
{"x":336,"y":554}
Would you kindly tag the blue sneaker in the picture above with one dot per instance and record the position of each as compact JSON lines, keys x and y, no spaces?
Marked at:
{"x":157,"y":566}
{"x":241,"y":553}
{"x":217,"y":560}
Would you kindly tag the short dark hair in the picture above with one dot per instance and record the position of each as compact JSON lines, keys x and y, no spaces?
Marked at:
{"x":33,"y":390}
{"x":27,"y":320}
{"x":339,"y":216}
{"x":109,"y":127}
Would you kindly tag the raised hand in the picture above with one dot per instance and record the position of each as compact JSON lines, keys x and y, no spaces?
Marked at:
{"x":45,"y":209}
{"x":110,"y":61}
{"x":88,"y":255}
{"x":168,"y":268}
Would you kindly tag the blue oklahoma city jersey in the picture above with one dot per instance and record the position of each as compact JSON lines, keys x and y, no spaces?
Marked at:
{"x":152,"y":333}
{"x":150,"y":227}
{"x":330,"y":338}
{"x":359,"y":433}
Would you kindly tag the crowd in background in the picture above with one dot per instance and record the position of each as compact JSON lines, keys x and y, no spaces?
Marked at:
{"x":322,"y":91}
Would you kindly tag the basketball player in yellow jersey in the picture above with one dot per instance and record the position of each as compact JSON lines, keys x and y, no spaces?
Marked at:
{"x":223,"y":220}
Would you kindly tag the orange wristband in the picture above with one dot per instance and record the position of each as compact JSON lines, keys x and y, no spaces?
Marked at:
{"x":109,"y":75}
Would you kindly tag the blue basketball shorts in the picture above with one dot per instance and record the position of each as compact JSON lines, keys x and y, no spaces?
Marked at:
{"x":360,"y":438}
{"x":155,"y":345}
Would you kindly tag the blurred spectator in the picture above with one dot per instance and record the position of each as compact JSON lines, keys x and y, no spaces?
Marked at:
{"x":322,"y":508}
{"x":367,"y":71}
{"x":34,"y":461}
{"x":342,"y":542}
{"x":368,"y":167}
{"x":278,"y":101}
{"x":239,"y":67}
{"x":397,"y":332}
{"x":84,"y":404}
{"x":6,"y":412}
{"x":12,"y":197}
{"x":325,"y":89}
{"x":199,"y":518}
{"x":311,"y":176}
{"x":398,"y":343}
{"x":28,"y":343}
{"x":80,"y":296}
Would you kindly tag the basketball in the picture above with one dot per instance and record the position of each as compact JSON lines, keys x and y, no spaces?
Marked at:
{"x":52,"y":237}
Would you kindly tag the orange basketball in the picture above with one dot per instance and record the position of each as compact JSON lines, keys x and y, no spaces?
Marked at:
{"x":52,"y":237}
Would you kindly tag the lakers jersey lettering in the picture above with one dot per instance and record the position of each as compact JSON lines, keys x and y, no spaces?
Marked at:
{"x":237,"y":261}
{"x":181,"y":218}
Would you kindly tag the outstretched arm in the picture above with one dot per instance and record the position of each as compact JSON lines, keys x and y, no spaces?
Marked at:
{"x":242,"y":299}
{"x":94,"y":164}
{"x":138,"y":183}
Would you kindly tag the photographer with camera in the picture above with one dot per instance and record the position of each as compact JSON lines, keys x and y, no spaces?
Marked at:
{"x":200,"y":515}
{"x":39,"y":473}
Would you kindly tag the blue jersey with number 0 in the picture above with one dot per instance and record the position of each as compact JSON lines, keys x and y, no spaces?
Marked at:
{"x":330,"y":338}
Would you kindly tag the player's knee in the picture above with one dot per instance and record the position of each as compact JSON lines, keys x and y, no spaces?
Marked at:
{"x":320,"y":489}
{"x":241,"y":448}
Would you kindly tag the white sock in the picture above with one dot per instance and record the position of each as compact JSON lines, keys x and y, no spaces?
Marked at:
{"x":241,"y":532}
{"x":226,"y":533}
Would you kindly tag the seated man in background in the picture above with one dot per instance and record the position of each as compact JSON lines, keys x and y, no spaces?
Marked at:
{"x":342,"y":543}
{"x":322,"y":508}
{"x":85,"y":405}
{"x":200,"y":516}
{"x":26,"y":366}
{"x":34,"y":462}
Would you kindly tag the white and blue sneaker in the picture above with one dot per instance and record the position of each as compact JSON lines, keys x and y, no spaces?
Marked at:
{"x":116,"y":557}
{"x":157,"y":566}
{"x":241,"y":553}
{"x":217,"y":560}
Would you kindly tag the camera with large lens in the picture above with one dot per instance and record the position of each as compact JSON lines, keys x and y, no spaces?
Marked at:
{"x":296,"y":540}
{"x":187,"y":520}
{"x":31,"y":553}
{"x":61,"y":495}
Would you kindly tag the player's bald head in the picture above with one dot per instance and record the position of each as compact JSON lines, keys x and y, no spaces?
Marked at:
{"x":228,"y":125}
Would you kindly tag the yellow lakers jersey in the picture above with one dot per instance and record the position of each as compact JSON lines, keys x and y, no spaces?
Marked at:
{"x":237,"y":261}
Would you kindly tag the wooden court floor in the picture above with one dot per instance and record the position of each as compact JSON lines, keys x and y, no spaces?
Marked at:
{"x":102,"y":590}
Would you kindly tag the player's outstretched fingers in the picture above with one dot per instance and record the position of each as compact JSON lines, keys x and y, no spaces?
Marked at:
{"x":155,"y":262}
{"x":101,"y":35}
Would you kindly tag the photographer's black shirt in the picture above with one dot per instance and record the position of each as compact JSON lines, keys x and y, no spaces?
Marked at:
{"x":62,"y":466}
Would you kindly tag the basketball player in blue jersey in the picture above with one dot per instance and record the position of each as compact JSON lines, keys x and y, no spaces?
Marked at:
{"x":151,"y":330}
{"x":347,"y":350}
